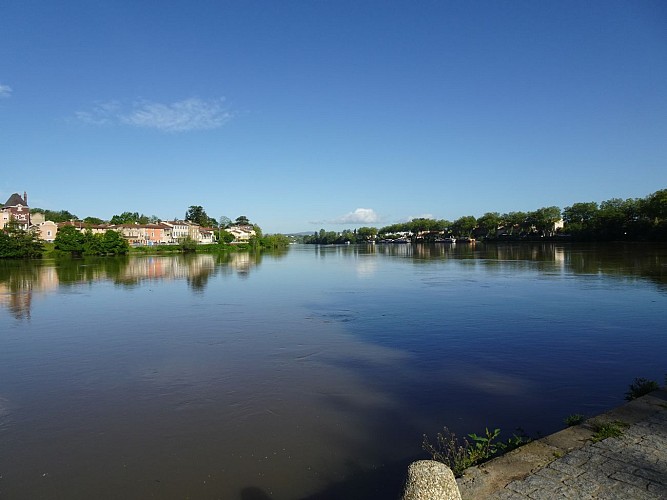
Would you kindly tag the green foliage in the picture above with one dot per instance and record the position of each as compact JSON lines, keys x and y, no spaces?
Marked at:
{"x":274,"y":241}
{"x":197,"y":215}
{"x":574,"y":419}
{"x":488,"y":224}
{"x":70,"y":240}
{"x":542,"y":220}
{"x":55,"y":215}
{"x":242,"y":220}
{"x":130,"y":218}
{"x":604,"y":430}
{"x":188,"y":245}
{"x":460,"y":453}
{"x":93,"y":220}
{"x":618,"y":219}
{"x":366,"y":233}
{"x":16,"y":243}
{"x":225,"y":237}
{"x":113,"y":243}
{"x":640,"y":387}
{"x":464,"y":226}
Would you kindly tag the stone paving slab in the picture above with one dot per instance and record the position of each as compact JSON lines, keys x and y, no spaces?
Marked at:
{"x":569,"y":465}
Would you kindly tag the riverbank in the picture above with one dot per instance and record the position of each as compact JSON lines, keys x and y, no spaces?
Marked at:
{"x":568,"y":464}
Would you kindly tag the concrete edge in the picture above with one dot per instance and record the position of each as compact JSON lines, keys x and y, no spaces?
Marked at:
{"x":483,"y":480}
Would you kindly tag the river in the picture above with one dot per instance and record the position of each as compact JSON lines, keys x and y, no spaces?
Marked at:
{"x":308,"y":374}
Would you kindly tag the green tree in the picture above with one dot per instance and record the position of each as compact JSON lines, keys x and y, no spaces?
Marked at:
{"x":617,"y":217}
{"x":274,"y":241}
{"x":17,"y":243}
{"x":225,"y":237}
{"x":543,"y":220}
{"x":129,"y":218}
{"x":367,"y":233}
{"x":197,"y":215}
{"x":464,"y":226}
{"x":69,"y":239}
{"x":55,"y":215}
{"x":242,"y":220}
{"x":114,"y":243}
{"x":92,"y":243}
{"x":488,"y":224}
{"x":188,"y":245}
{"x":654,"y":206}
{"x":93,"y":220}
{"x":581,"y":218}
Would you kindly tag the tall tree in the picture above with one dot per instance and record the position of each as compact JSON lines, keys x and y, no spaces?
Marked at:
{"x":242,"y":220}
{"x":197,"y":215}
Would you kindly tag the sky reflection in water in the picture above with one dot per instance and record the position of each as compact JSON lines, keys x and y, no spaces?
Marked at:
{"x":206,"y":376}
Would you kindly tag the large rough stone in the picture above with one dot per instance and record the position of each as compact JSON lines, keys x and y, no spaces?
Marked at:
{"x":430,"y":480}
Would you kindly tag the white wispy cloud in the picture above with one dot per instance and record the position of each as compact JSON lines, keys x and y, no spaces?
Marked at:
{"x":180,"y":116}
{"x":190,"y":114}
{"x":5,"y":90}
{"x":359,"y":216}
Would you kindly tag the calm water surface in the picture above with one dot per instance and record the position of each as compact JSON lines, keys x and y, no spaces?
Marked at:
{"x":309,"y":374}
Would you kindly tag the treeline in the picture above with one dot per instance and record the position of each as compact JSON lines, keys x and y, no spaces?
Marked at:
{"x":363,"y":234}
{"x":74,"y":242}
{"x":614,"y":219}
{"x":194,"y":213}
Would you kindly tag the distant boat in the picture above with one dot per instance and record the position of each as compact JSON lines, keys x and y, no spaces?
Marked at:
{"x":466,"y":240}
{"x":449,"y":239}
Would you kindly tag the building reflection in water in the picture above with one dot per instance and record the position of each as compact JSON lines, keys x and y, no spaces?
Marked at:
{"x":20,"y":280}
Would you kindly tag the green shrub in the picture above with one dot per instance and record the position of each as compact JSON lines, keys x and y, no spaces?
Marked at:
{"x":574,"y":419}
{"x":604,"y":430}
{"x":640,"y":387}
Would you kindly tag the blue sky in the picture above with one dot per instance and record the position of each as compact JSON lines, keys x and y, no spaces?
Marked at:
{"x":331,"y":114}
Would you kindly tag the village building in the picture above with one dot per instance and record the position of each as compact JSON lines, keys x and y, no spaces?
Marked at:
{"x":160,"y":233}
{"x":16,"y":209}
{"x":241,"y":233}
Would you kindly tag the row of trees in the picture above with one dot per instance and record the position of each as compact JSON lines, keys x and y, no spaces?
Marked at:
{"x":633,"y":219}
{"x":195,"y":214}
{"x":71,"y":240}
{"x":360,"y":235}
{"x":639,"y":218}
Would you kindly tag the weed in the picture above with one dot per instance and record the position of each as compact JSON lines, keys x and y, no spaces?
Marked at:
{"x":641,"y":387}
{"x":604,"y":430}
{"x":574,"y":419}
{"x":460,"y":453}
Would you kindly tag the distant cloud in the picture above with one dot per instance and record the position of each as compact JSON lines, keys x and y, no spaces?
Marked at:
{"x":180,"y":116}
{"x":359,"y":216}
{"x":5,"y":91}
{"x":101,"y":114}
